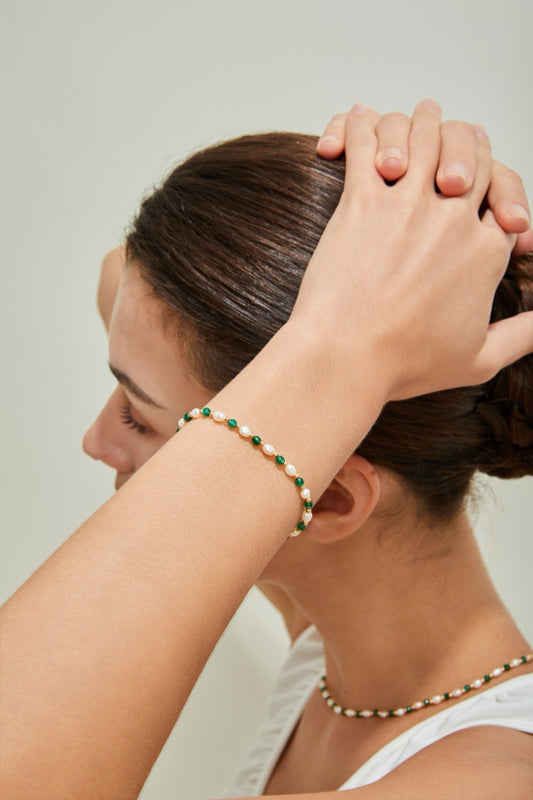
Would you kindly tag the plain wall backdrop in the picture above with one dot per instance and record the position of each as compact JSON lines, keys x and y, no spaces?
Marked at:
{"x":99,"y":99}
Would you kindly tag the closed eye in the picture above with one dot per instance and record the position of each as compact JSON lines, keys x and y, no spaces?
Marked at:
{"x":130,"y":421}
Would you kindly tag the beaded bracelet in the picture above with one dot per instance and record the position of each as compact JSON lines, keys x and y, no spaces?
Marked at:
{"x":267,"y":449}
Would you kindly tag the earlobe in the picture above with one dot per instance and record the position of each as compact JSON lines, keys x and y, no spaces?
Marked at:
{"x":347,"y":503}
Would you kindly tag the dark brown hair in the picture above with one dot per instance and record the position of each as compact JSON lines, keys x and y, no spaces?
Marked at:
{"x":224,"y":243}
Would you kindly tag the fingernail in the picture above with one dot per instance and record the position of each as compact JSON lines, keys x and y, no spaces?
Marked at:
{"x":431,"y":104}
{"x":518,"y":210}
{"x":329,"y":141}
{"x":480,"y":130}
{"x":391,"y":152}
{"x":359,"y":108}
{"x":391,"y":157}
{"x":455,"y":170}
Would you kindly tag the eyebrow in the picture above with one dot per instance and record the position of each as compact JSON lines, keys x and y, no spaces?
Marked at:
{"x":126,"y":381}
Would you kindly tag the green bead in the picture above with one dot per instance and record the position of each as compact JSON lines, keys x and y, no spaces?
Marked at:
{"x":507,"y":667}
{"x":408,"y":709}
{"x":391,"y":713}
{"x":301,"y":526}
{"x":446,"y":695}
{"x":299,"y":482}
{"x":486,"y":678}
{"x":357,"y":713}
{"x":426,"y":702}
{"x":375,"y":712}
{"x":256,"y":441}
{"x":187,"y":417}
{"x":280,"y":460}
{"x":232,"y":423}
{"x":467,"y":687}
{"x":523,"y":659}
{"x":308,"y":503}
{"x":205,"y":411}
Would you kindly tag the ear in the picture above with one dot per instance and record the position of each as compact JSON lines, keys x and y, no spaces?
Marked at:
{"x":347,"y":502}
{"x":110,"y":275}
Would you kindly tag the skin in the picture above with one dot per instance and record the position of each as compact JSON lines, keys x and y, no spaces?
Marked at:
{"x":308,"y":583}
{"x":352,"y":541}
{"x":151,"y":582}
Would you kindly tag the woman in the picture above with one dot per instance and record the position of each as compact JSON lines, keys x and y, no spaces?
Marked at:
{"x":144,"y":589}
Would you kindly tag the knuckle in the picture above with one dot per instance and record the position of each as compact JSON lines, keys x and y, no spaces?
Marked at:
{"x":459,"y":128}
{"x":394,"y":118}
{"x":503,"y":171}
{"x":337,"y":119}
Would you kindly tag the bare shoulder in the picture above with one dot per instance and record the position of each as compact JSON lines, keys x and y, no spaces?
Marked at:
{"x":110,"y":274}
{"x":486,"y":762}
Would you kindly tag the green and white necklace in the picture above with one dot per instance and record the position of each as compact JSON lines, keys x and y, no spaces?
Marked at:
{"x":429,"y":701}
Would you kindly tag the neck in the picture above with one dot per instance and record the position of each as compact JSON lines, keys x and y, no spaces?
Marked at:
{"x":401,"y":622}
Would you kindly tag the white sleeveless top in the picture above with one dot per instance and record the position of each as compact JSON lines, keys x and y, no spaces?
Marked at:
{"x":509,"y":705}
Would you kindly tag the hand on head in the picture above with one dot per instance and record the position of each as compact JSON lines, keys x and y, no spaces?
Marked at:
{"x":458,"y":163}
{"x":425,"y":302}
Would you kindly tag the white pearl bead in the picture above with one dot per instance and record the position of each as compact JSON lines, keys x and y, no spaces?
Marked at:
{"x":181,"y":423}
{"x":290,"y":469}
{"x":307,"y":517}
{"x":349,"y":712}
{"x":268,"y":450}
{"x":367,"y":713}
{"x":496,"y":672}
{"x":245,"y":431}
{"x":293,"y":534}
{"x":305,"y":494}
{"x":195,"y":413}
{"x":399,"y":712}
{"x":337,"y":709}
{"x":321,"y":684}
{"x":418,"y":705}
{"x":516,"y":662}
{"x":330,"y":701}
{"x":457,"y":693}
{"x":219,"y":416}
{"x":436,"y":699}
{"x":477,"y":684}
{"x":383,"y":714}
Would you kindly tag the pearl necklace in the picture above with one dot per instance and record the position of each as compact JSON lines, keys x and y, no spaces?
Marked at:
{"x":432,"y":701}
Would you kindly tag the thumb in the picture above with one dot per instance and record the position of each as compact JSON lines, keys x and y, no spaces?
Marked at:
{"x":506,"y":342}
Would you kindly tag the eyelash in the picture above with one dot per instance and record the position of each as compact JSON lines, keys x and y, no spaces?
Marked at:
{"x":127,"y":419}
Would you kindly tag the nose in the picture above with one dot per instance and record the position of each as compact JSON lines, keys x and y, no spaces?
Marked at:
{"x":106,"y":440}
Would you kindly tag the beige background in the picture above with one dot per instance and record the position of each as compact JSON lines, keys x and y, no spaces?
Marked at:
{"x":99,"y":99}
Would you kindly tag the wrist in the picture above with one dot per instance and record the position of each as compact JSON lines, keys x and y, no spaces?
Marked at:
{"x":312,"y":400}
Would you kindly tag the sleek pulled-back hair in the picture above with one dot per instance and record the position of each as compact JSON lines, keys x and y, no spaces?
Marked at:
{"x":224,"y":243}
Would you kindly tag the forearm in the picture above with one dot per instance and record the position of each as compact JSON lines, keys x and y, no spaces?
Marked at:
{"x":124,"y":615}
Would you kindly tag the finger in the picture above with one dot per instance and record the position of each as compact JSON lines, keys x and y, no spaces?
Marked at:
{"x":393,"y":145}
{"x":507,"y":341}
{"x":483,"y":174}
{"x":507,"y":199}
{"x":489,"y":219}
{"x":523,"y":244}
{"x":458,"y":158}
{"x":361,"y":145}
{"x":424,"y":143}
{"x":331,"y":143}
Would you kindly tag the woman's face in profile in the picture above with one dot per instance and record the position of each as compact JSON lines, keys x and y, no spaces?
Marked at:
{"x":154,"y":386}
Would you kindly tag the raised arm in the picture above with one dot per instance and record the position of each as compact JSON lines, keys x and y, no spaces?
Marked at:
{"x":102,"y":646}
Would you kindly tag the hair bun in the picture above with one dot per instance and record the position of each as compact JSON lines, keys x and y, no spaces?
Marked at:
{"x":507,"y":405}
